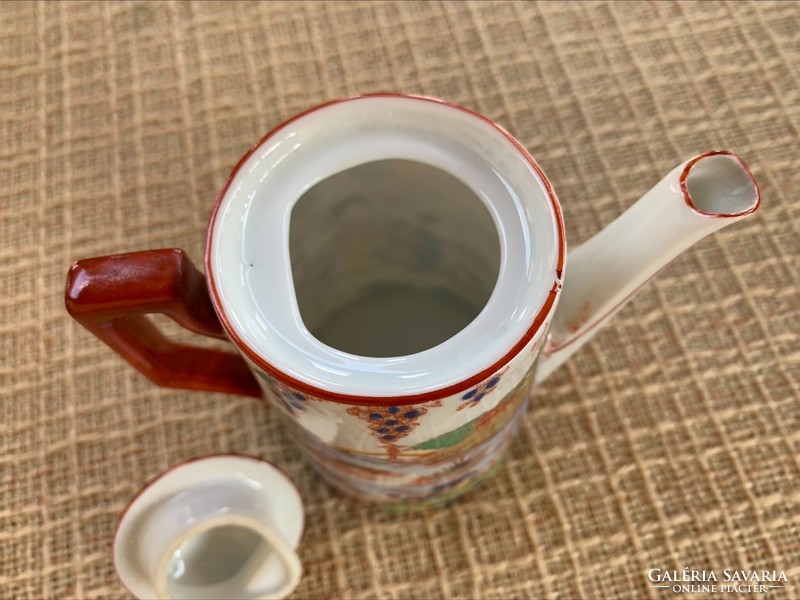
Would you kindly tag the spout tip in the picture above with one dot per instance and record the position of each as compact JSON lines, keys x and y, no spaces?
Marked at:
{"x":719,"y":184}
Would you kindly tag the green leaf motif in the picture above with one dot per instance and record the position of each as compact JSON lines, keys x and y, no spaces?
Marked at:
{"x":446,"y":440}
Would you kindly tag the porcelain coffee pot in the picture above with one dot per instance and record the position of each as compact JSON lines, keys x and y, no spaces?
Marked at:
{"x":392,"y":271}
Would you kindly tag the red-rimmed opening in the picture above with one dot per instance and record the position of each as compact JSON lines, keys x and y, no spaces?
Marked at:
{"x":744,"y":200}
{"x":464,"y":385}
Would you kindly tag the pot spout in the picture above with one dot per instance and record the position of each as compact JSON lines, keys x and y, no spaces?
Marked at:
{"x":696,"y":198}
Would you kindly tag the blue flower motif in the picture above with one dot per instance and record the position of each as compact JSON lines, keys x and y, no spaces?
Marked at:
{"x":294,"y":402}
{"x":476,"y":394}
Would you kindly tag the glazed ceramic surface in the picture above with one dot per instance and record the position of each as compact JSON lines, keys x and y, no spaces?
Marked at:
{"x":415,"y":423}
{"x":222,"y":526}
{"x":389,"y":268}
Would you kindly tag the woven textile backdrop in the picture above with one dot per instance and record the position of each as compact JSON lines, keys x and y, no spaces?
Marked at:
{"x":670,"y":441}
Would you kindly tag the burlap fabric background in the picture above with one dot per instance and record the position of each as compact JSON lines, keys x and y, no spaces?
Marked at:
{"x":670,"y":441}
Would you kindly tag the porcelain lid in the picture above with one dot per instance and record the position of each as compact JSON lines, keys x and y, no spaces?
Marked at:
{"x":212,"y":526}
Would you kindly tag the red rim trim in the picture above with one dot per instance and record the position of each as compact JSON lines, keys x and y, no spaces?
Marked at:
{"x":451,"y":390}
{"x":687,"y":198}
{"x":169,"y":470}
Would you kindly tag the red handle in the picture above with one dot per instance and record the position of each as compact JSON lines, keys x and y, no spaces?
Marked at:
{"x":111,"y":296}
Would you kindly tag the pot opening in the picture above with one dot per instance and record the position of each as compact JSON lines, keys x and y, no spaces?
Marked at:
{"x":391,"y":257}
